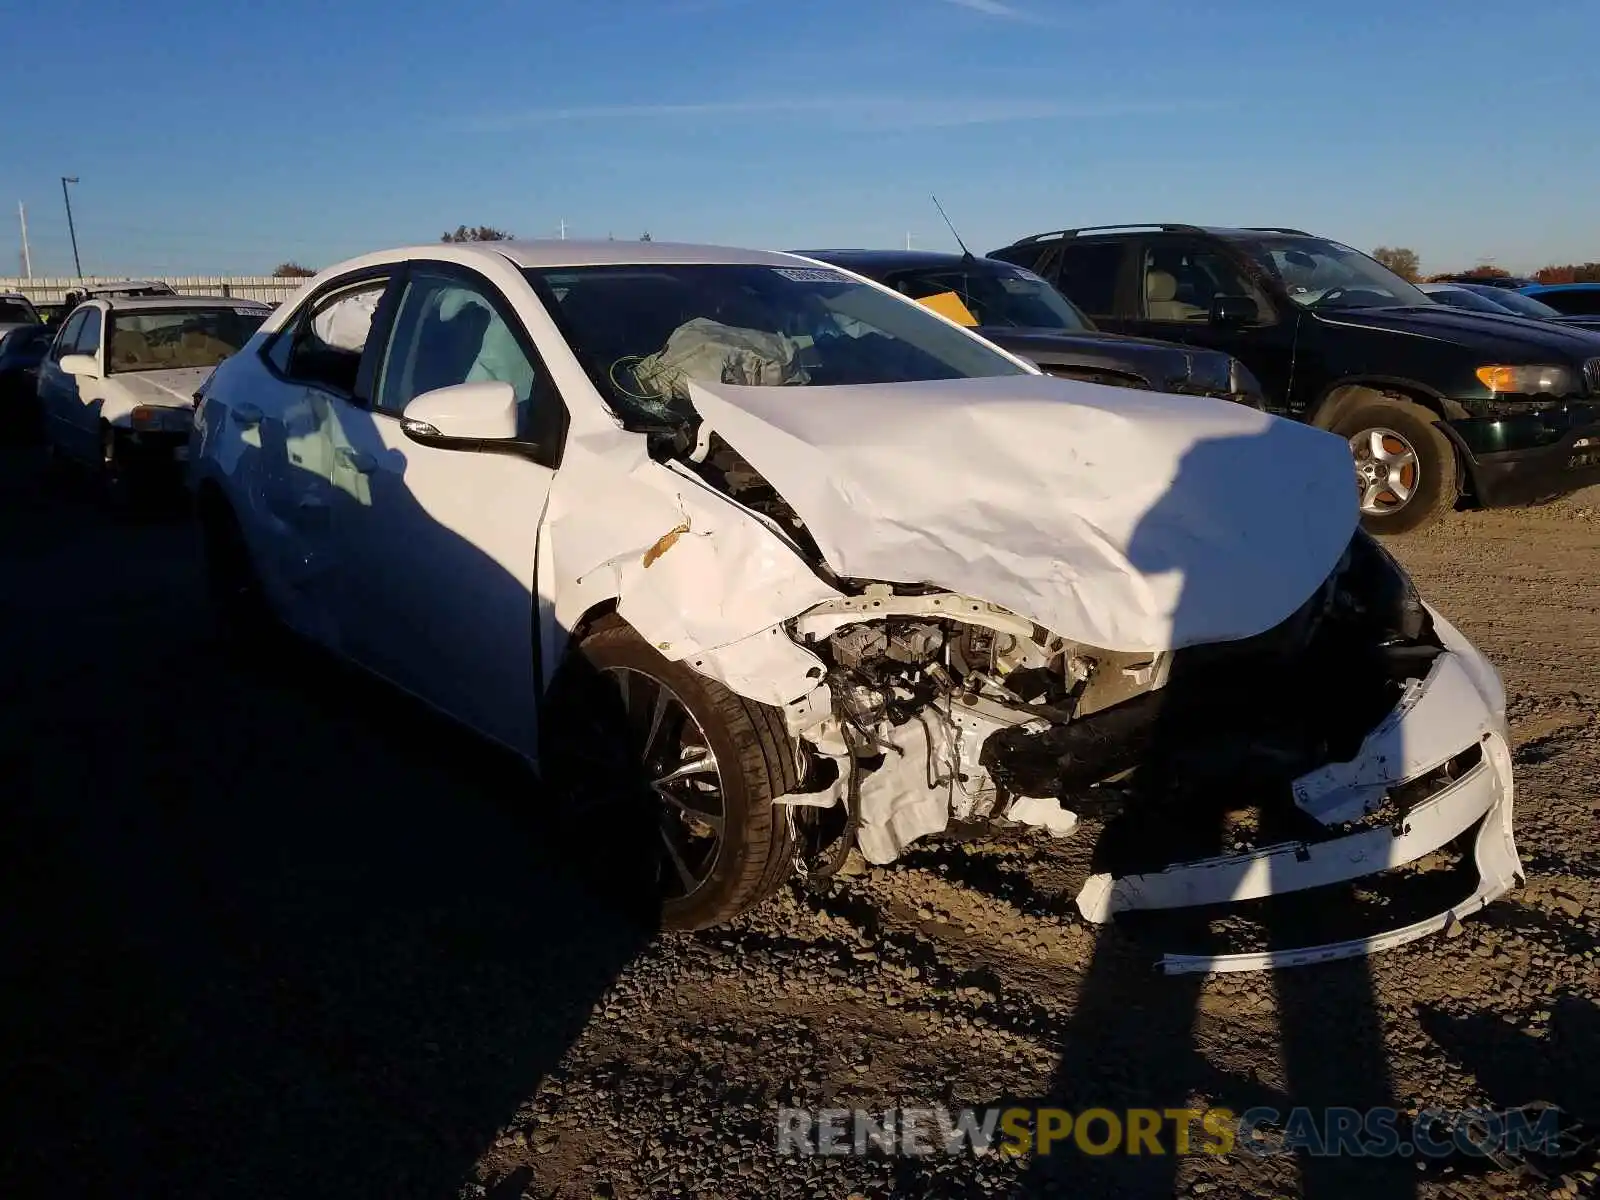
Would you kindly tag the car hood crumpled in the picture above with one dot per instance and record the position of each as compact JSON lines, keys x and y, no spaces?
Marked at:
{"x":1123,"y":519}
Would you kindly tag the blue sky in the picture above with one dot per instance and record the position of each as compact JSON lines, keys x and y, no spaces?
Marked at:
{"x":315,"y":131}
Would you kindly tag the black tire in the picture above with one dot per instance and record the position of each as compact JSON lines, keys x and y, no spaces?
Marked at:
{"x":117,"y":476}
{"x":600,"y":787}
{"x":1434,"y":486}
{"x":241,"y":615}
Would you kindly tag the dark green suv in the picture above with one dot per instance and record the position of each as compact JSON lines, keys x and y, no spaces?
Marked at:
{"x":1439,"y":404}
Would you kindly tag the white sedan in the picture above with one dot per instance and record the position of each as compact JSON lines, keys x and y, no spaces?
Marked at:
{"x":116,"y":390}
{"x":830,"y":572}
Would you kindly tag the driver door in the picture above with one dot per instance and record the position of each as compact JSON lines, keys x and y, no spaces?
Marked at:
{"x":438,"y":545}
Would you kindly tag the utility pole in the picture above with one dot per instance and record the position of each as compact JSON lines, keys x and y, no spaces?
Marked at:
{"x":66,"y":179}
{"x":563,"y":229}
{"x":27,"y":263}
{"x":908,"y":239}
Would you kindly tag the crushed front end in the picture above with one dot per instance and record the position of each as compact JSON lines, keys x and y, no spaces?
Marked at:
{"x":1361,"y":734}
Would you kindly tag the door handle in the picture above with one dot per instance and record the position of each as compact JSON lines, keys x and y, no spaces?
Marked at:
{"x":357,"y":460}
{"x":246,"y":414}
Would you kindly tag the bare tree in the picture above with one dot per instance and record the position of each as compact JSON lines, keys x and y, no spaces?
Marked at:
{"x":292,"y":270}
{"x":477,"y":233}
{"x":1400,"y":260}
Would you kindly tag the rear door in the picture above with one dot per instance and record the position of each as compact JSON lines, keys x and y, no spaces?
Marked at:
{"x":437,"y":546}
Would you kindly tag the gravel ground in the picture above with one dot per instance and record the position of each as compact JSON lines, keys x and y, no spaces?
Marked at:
{"x":278,"y":933}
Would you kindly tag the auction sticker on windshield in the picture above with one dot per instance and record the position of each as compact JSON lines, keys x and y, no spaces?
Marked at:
{"x":809,"y":274}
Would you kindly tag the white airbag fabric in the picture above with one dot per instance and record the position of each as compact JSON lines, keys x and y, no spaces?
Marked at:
{"x":1125,"y":519}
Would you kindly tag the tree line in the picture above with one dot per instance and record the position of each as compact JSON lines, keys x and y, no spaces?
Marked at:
{"x":1405,"y":263}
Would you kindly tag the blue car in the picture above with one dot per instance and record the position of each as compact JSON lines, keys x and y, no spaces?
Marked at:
{"x":22,"y":348}
{"x":1577,"y":303}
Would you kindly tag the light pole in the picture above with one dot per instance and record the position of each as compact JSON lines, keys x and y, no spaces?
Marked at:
{"x":73,"y":233}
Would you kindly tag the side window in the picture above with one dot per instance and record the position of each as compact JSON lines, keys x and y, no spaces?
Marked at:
{"x":68,"y":336}
{"x":1577,"y":303}
{"x":323,"y":345}
{"x":88,"y":339}
{"x":450,"y":329}
{"x":1182,"y":279}
{"x":1088,"y":275}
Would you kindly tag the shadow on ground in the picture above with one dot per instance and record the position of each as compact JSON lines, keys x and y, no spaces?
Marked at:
{"x":266,"y":934}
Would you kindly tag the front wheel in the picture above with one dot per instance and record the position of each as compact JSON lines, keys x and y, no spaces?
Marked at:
{"x":1406,"y":472}
{"x":672,"y":777}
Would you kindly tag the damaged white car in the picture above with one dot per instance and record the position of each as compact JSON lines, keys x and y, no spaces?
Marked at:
{"x":838,"y":573}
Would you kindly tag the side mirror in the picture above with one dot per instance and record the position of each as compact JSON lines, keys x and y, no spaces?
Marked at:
{"x":461,"y":415}
{"x":1233,"y":310}
{"x":80,"y":364}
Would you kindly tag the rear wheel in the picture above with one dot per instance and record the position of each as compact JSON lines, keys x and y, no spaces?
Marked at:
{"x":672,"y":774}
{"x":1406,"y":472}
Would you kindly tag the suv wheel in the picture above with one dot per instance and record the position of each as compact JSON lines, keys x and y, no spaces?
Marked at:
{"x":670,"y":777}
{"x":1405,"y":467}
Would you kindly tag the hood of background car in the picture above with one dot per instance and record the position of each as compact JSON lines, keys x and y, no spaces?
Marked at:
{"x":1524,"y":339}
{"x":1162,"y":364}
{"x":168,"y":388}
{"x":1123,"y":519}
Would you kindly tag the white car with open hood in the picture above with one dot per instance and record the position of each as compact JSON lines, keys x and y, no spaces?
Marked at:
{"x":825,"y":570}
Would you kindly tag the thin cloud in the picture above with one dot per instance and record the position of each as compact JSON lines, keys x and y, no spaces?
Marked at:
{"x":859,"y":112}
{"x":991,"y":8}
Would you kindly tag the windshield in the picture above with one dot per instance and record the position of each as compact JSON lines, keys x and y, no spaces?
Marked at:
{"x":644,"y":332}
{"x":1323,"y":274}
{"x":1461,"y":298}
{"x":991,"y":294}
{"x":1525,"y":306}
{"x":17,"y":312}
{"x":168,"y":338}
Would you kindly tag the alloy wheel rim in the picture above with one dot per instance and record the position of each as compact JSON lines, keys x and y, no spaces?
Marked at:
{"x":683,"y":776}
{"x":1387,"y":470}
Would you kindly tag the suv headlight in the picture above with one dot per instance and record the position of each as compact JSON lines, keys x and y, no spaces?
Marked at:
{"x":1549,"y":379}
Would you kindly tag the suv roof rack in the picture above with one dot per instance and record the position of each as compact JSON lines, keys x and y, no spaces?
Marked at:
{"x":1276,"y":229}
{"x":1067,"y":233}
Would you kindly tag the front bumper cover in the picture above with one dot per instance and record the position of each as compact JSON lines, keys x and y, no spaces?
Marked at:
{"x":1459,"y":704}
{"x":1533,"y":457}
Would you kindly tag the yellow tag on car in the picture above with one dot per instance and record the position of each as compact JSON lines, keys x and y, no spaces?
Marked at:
{"x":948,"y":304}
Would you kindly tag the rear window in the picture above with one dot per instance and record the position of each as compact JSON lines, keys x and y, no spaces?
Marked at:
{"x":1089,"y":275}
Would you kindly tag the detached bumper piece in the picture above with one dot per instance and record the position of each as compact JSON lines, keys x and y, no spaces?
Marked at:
{"x":1436,"y":768}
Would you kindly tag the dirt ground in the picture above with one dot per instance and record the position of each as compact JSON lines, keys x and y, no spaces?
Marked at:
{"x":276,"y":933}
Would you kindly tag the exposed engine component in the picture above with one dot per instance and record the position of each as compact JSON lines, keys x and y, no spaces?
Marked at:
{"x":857,"y":644}
{"x":949,"y":709}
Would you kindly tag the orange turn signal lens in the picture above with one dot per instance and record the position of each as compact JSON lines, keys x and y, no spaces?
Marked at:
{"x":1498,"y":379}
{"x":145,"y":416}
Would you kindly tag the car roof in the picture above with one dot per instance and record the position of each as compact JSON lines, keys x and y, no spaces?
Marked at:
{"x":552,"y":252}
{"x":868,"y":261}
{"x":1226,"y":232}
{"x":156,"y":303}
{"x":1533,"y":289}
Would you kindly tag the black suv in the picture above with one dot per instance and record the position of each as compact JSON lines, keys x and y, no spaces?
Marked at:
{"x":1014,"y":308}
{"x":1438,"y":403}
